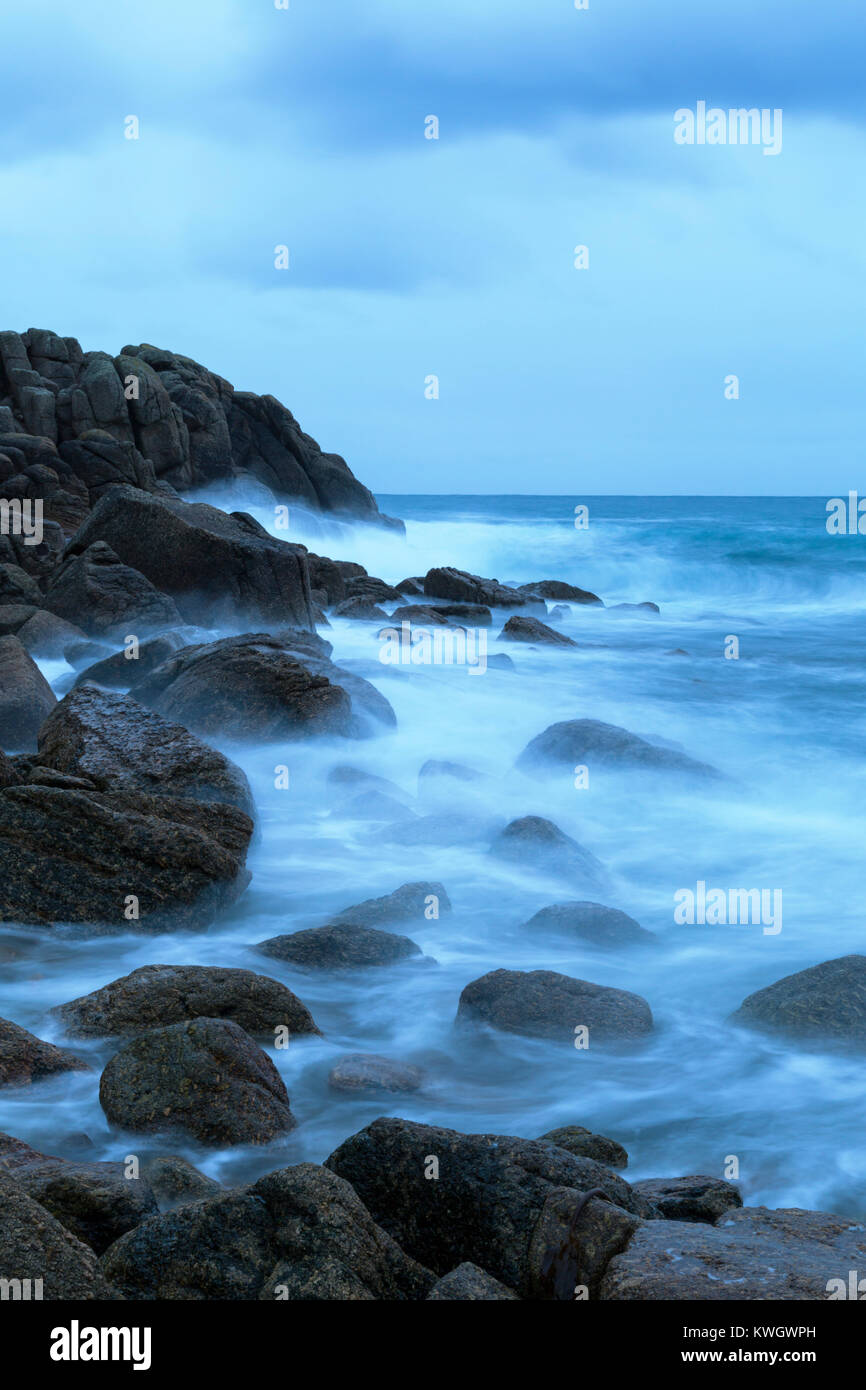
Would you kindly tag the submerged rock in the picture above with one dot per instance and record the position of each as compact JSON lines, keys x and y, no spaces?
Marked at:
{"x":826,"y":1001}
{"x":537,"y":843}
{"x":589,"y":741}
{"x":545,"y":1004}
{"x":339,"y":946}
{"x":364,"y":1071}
{"x":206,"y":1078}
{"x":592,"y":922}
{"x":411,"y":902}
{"x":299,"y":1234}
{"x":155,"y":995}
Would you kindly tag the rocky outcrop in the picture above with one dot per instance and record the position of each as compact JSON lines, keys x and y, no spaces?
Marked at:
{"x":156,"y":419}
{"x":827,"y":1001}
{"x":35,"y":1246}
{"x":25,"y":1058}
{"x":206,"y":1078}
{"x":545,"y":1004}
{"x":25,"y":697}
{"x":299,"y":1234}
{"x":156,"y":995}
{"x":96,"y":1202}
{"x":339,"y":946}
{"x":592,"y":743}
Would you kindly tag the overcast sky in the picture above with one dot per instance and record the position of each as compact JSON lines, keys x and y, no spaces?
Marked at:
{"x":412,"y":257}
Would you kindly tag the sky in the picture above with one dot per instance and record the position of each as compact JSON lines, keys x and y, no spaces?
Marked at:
{"x":411,"y":258}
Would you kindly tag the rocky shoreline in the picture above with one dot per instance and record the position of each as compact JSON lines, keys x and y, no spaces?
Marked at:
{"x":184,"y":627}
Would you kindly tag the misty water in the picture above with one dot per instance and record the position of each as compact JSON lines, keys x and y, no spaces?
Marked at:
{"x":784,"y":723}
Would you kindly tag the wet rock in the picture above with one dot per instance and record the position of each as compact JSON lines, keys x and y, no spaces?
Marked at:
{"x":361,"y":609}
{"x":221,"y":570}
{"x":422,"y":615}
{"x":499,"y":661}
{"x":364,"y":1071}
{"x":123,"y":669}
{"x":206,"y":1078}
{"x":96,"y":592}
{"x":413,"y":587}
{"x":826,"y":1001}
{"x":592,"y":922}
{"x":155,"y":995}
{"x":751,"y":1255}
{"x":537,"y":843}
{"x":502,"y":1200}
{"x":123,"y":747}
{"x":557,"y":589}
{"x":468,"y":614}
{"x":590,"y":742}
{"x":327,"y":578}
{"x":25,"y":696}
{"x":635,"y":607}
{"x":469,"y":1283}
{"x":411,"y":902}
{"x":18,"y":587}
{"x":545,"y":1004}
{"x":48,"y":636}
{"x":9,"y":776}
{"x":521,"y":628}
{"x":585,"y":1144}
{"x":461,"y":587}
{"x":25,"y":1058}
{"x":299,"y":1234}
{"x":96,"y":1202}
{"x":339,"y":946}
{"x":13,"y":616}
{"x":690,"y":1199}
{"x":175,"y":1182}
{"x":35,"y":1246}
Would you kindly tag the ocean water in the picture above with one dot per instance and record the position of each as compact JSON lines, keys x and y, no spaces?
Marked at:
{"x":785,"y":724}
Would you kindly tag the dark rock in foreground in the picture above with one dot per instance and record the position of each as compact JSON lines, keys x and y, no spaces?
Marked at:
{"x":545,"y":1004}
{"x":826,"y":1001}
{"x":589,"y":742}
{"x":752,"y":1254}
{"x":690,"y":1199}
{"x":592,"y":922}
{"x":408,"y":903}
{"x":25,"y":1058}
{"x":470,"y":1284}
{"x":35,"y":1246}
{"x":205,"y":1078}
{"x":299,"y":1234}
{"x":96,"y":1202}
{"x":25,"y":697}
{"x":97,"y":593}
{"x":156,"y":995}
{"x":520,"y":628}
{"x":585,"y":1144}
{"x":339,"y":946}
{"x":449,"y":1198}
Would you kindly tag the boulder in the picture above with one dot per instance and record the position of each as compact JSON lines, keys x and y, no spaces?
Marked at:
{"x":368,"y":587}
{"x":361,"y":609}
{"x":175,"y":1182}
{"x":130,"y":665}
{"x":34,"y":1246}
{"x":522,"y":628}
{"x":545,"y":1004}
{"x":468,"y":614}
{"x":509,"y":1202}
{"x":13,"y":616}
{"x":120,"y":747}
{"x":751,"y":1255}
{"x":468,"y":1283}
{"x":155,"y":995}
{"x":25,"y":696}
{"x":339,"y":946}
{"x":408,"y":903}
{"x":592,"y":922}
{"x":589,"y":742}
{"x":206,"y":1078}
{"x":48,"y":636}
{"x":557,"y":589}
{"x":99,"y":594}
{"x":690,"y":1199}
{"x":25,"y":1058}
{"x":461,"y":587}
{"x":299,"y":1234}
{"x":537,"y":843}
{"x":96,"y":1202}
{"x":364,"y":1071}
{"x":18,"y":587}
{"x":585,"y":1144}
{"x":826,"y":1001}
{"x":422,"y":615}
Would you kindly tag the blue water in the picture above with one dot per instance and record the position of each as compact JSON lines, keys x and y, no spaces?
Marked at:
{"x":785,"y":724}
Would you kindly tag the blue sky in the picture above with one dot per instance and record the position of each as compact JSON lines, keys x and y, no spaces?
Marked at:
{"x":412,"y":257}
